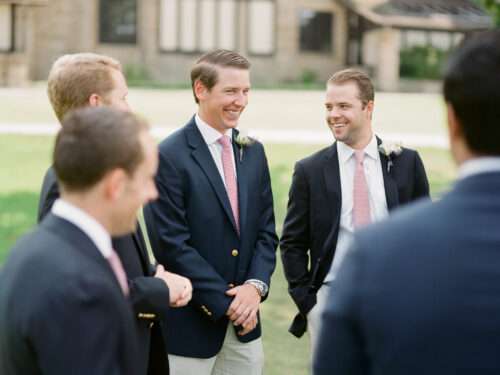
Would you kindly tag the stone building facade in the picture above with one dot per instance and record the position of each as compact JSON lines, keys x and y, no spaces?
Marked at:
{"x":286,"y":40}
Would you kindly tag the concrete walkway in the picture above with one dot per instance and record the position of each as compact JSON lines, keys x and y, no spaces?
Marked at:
{"x":283,"y":136}
{"x":273,"y":116}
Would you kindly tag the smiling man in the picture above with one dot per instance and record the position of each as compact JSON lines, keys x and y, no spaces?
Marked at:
{"x":352,"y":183}
{"x":214,"y":223}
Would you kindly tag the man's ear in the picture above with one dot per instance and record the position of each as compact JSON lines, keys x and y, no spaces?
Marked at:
{"x":114,"y":184}
{"x":369,"y":108}
{"x":454,"y":128}
{"x":95,"y":100}
{"x":200,"y":90}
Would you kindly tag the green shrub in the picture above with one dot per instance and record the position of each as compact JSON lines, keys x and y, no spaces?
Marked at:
{"x":422,"y":62}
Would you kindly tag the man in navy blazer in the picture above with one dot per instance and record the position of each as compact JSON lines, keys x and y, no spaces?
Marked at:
{"x":63,"y":295}
{"x":72,"y":84}
{"x":214,"y":223}
{"x":319,"y":220}
{"x":418,"y":293}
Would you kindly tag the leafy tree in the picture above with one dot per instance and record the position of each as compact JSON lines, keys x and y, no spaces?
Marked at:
{"x":493,"y":8}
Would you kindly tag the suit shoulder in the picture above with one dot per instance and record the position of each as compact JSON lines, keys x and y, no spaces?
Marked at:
{"x":404,"y":223}
{"x":314,"y":159}
{"x":173,"y":140}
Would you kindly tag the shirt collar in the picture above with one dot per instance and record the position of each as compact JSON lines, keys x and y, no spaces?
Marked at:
{"x":479,"y":165}
{"x":345,"y":151}
{"x":90,"y":226}
{"x":209,"y":134}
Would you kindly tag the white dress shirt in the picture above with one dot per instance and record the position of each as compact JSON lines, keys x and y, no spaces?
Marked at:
{"x":479,"y":165}
{"x":86,"y":223}
{"x":376,"y":192}
{"x":211,"y":138}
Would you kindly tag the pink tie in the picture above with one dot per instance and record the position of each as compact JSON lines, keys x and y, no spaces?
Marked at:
{"x":360,"y":201}
{"x":116,"y":265}
{"x":230,"y":177}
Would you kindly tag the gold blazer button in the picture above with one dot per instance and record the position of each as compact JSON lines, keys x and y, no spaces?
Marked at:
{"x":234,"y":253}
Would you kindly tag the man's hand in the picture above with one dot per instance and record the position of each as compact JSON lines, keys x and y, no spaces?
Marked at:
{"x":180,"y":288}
{"x":243,"y":310}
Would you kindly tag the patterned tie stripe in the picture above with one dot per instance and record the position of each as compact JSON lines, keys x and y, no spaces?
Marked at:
{"x":230,"y":177}
{"x":361,"y":203}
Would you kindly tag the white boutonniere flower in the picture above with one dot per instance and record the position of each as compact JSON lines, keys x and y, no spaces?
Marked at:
{"x":243,"y":140}
{"x":390,"y":150}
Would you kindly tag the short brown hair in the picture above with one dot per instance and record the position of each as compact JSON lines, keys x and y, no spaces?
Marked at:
{"x":361,"y":79}
{"x":94,"y":141}
{"x":204,"y":69}
{"x":74,"y":78}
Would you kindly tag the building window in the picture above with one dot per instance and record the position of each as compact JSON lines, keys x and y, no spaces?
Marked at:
{"x":261,"y":25}
{"x":6,"y":28}
{"x":198,"y":25}
{"x":316,"y":30}
{"x":118,"y":21}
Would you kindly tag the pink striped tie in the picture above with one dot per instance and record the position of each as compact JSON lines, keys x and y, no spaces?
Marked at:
{"x":116,"y":265}
{"x":230,"y":177}
{"x":360,"y":200}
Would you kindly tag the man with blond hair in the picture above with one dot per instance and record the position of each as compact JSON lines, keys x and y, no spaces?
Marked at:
{"x":91,"y":80}
{"x":355,"y":181}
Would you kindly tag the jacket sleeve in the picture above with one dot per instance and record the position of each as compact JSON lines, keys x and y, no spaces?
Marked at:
{"x":149,"y":295}
{"x":169,"y":233}
{"x":421,"y":188}
{"x":294,"y":244}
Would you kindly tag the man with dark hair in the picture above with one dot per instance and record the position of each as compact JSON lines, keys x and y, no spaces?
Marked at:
{"x":418,"y":293}
{"x":90,"y":80}
{"x":214,"y":223}
{"x":351,"y":183}
{"x":63,"y":307}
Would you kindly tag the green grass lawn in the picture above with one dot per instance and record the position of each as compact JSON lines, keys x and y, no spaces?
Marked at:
{"x":25,"y":159}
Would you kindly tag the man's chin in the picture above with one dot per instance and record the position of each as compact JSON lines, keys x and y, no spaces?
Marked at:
{"x":125,"y":229}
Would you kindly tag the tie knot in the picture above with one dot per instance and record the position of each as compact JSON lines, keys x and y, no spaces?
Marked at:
{"x":225,"y":141}
{"x":360,"y":155}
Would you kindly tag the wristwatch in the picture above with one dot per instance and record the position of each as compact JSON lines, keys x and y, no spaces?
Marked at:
{"x":261,"y":287}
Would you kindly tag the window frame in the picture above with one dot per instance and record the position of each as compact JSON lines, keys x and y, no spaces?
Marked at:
{"x":12,"y":47}
{"x":274,"y":32}
{"x":113,"y":40}
{"x":332,"y":47}
{"x":197,"y":29}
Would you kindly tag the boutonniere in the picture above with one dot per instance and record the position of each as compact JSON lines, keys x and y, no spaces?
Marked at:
{"x":243,"y":140}
{"x":390,"y":150}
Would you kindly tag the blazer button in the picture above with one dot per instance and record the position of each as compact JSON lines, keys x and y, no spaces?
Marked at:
{"x":234,"y":253}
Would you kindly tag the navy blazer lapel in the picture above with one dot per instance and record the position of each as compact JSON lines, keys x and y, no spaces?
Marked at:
{"x":241,"y":175}
{"x":390,"y":187}
{"x":333,"y":202}
{"x":203,"y":157}
{"x":331,"y":174}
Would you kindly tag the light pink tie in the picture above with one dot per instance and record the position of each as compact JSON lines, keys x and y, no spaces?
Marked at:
{"x":117,"y":267}
{"x":230,"y":177}
{"x":360,"y":200}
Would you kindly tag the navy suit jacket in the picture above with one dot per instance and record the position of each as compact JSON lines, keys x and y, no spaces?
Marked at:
{"x":62,"y":310}
{"x":312,"y":221}
{"x":149,"y":296}
{"x":419,"y":293}
{"x":193,"y":233}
